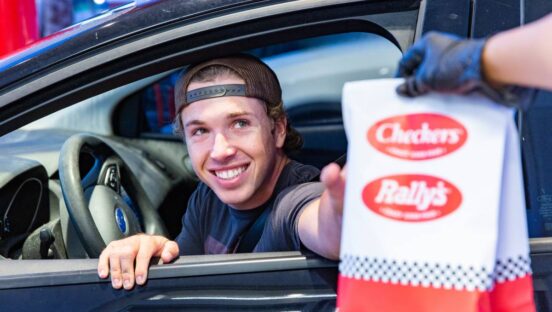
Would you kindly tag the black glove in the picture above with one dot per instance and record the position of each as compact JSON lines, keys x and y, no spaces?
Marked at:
{"x":446,"y":63}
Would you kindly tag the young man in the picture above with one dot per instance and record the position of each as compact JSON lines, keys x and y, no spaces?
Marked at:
{"x":231,"y":115}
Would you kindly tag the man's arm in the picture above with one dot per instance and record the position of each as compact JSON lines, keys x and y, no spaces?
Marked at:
{"x":320,"y":222}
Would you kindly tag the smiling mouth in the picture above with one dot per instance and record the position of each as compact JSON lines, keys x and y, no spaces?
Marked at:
{"x":229,"y":174}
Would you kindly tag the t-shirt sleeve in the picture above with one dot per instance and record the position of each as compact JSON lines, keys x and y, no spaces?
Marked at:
{"x":282,"y":233}
{"x":189,"y":240}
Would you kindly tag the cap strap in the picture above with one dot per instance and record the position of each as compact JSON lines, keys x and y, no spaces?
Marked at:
{"x":215,"y":91}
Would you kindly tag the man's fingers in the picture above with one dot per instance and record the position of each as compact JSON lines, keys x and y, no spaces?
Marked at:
{"x":158,"y":247}
{"x":126,"y":261}
{"x":170,"y":251}
{"x":334,"y":179}
{"x":103,"y":264}
{"x":330,"y":175}
{"x":115,"y":271}
{"x":343,"y":174}
{"x":143,"y":259}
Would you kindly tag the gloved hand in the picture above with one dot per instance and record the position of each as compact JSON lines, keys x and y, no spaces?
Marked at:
{"x":441,"y":62}
{"x":447,"y":63}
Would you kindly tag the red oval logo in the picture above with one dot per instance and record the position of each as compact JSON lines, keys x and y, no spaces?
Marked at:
{"x":417,"y":136}
{"x":411,"y":197}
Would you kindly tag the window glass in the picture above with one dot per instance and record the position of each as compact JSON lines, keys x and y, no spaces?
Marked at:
{"x":535,"y":9}
{"x":157,"y":102}
{"x":310,"y":70}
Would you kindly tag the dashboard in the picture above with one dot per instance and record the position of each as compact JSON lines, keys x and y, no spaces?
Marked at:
{"x":34,"y":220}
{"x":24,"y":202}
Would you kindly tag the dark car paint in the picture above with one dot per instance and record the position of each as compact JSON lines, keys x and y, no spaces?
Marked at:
{"x":267,"y":281}
{"x":81,"y":289}
{"x":124,"y":23}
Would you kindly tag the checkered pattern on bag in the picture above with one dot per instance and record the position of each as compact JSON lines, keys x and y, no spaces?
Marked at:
{"x":437,"y":275}
{"x":510,"y":269}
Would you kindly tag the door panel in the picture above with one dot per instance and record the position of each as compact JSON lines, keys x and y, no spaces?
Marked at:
{"x":264,"y":281}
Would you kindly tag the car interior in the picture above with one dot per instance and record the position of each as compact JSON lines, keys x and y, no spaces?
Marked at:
{"x":58,"y":173}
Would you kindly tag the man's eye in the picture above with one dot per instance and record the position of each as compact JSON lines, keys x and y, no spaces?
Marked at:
{"x":198,"y":131}
{"x":241,"y":123}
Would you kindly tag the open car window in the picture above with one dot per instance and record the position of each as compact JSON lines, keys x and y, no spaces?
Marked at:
{"x":311,"y":72}
{"x":138,"y":118}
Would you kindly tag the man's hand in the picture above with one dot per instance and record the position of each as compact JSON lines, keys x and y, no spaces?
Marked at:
{"x":118,"y":258}
{"x":443,"y":63}
{"x":320,"y":222}
{"x":334,"y":179}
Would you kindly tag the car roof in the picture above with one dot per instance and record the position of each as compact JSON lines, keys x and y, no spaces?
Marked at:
{"x":128,"y":21}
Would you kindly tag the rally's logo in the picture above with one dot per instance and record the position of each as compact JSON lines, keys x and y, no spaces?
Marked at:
{"x":417,"y":136}
{"x":411,"y":197}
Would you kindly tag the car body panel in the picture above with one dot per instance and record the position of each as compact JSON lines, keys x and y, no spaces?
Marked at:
{"x":139,"y":41}
{"x":264,"y":281}
{"x":116,"y":25}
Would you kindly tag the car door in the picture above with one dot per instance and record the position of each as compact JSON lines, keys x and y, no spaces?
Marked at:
{"x":272,"y":281}
{"x":535,"y":143}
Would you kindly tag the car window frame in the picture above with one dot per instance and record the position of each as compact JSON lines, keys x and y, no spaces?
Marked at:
{"x":83,"y":77}
{"x":28,"y":105}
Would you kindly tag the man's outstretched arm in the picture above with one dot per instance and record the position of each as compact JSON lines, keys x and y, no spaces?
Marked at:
{"x":320,"y":222}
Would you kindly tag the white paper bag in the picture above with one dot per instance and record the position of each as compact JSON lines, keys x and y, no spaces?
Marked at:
{"x":434,"y":215}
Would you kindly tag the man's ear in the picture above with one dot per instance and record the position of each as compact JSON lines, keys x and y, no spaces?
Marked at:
{"x":280,"y":126}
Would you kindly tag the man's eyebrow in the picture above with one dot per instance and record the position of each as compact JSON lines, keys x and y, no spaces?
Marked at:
{"x":194,"y":122}
{"x":238,"y":114}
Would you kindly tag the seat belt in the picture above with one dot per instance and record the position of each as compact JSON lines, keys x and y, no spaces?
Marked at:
{"x":253,"y":235}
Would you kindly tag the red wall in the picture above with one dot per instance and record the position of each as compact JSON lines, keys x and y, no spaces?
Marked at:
{"x":18,"y":25}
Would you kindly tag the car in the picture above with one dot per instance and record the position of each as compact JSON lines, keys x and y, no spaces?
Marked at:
{"x":90,"y":109}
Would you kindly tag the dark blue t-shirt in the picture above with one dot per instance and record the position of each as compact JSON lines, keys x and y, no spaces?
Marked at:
{"x":210,"y":226}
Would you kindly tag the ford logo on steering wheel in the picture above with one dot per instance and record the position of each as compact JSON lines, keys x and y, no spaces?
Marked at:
{"x":120,"y":219}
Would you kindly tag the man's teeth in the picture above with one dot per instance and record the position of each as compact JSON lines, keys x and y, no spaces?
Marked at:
{"x":229,"y":174}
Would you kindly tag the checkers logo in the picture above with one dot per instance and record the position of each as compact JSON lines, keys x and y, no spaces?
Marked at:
{"x":411,"y":197}
{"x":417,"y":136}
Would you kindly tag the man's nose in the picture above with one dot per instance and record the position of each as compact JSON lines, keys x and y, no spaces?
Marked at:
{"x":221,"y":148}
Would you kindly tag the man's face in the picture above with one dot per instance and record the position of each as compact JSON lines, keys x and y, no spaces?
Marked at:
{"x":235,"y":148}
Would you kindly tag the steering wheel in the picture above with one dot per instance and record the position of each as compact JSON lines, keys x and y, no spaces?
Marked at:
{"x":96,"y":202}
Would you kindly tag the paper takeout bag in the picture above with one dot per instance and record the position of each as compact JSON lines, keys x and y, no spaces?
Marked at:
{"x":434,"y":216}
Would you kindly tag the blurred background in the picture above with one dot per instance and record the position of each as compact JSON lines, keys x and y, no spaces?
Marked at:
{"x":23,"y":22}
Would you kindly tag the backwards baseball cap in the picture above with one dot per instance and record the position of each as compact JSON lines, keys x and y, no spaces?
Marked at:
{"x":260,"y":81}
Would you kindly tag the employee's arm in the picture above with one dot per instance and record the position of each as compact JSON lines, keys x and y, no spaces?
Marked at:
{"x":521,"y":56}
{"x":446,"y":63}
